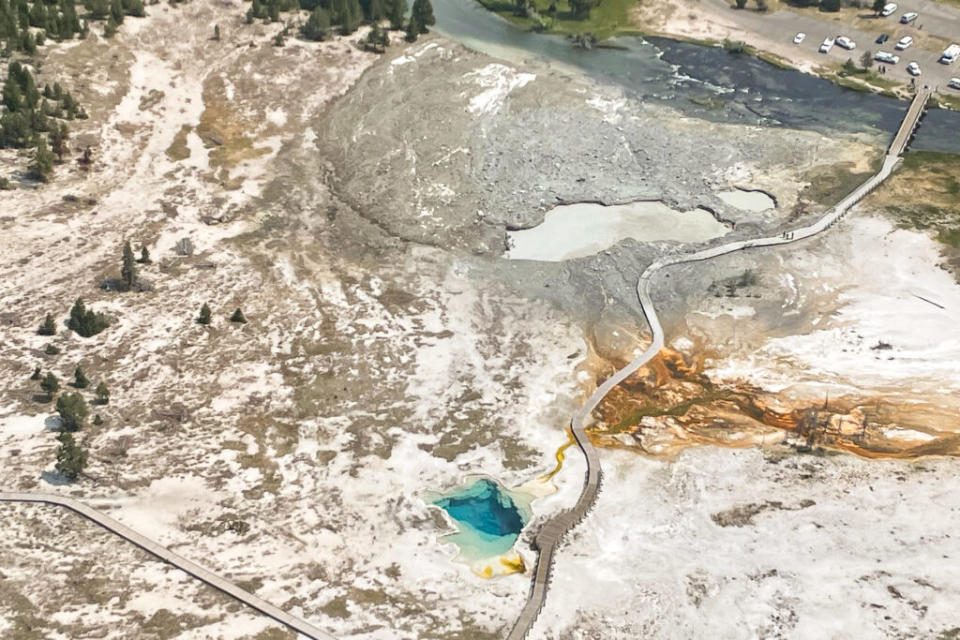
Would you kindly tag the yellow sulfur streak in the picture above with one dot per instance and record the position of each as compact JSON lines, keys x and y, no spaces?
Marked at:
{"x":560,"y":456}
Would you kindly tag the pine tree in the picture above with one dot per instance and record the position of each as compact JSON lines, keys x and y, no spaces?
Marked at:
{"x":397,"y":11}
{"x":58,"y":140}
{"x":317,"y":26}
{"x":204,"y":314}
{"x":80,"y":380}
{"x":144,"y":255}
{"x":49,"y":326}
{"x":102,"y":393}
{"x":423,"y":11}
{"x":50,"y":385}
{"x":128,"y":269}
{"x":73,"y":411}
{"x":238,"y":317}
{"x":413,"y":29}
{"x":71,"y":458}
{"x":216,"y":32}
{"x":97,"y":420}
{"x":36,"y":374}
{"x":42,"y":165}
{"x":110,"y":29}
{"x":85,"y":322}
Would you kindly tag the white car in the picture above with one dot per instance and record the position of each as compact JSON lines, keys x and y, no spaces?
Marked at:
{"x":904,"y":42}
{"x":846,"y":43}
{"x":797,"y":39}
{"x":913,"y":69}
{"x":887,"y":58}
{"x":909,"y":17}
{"x":826,"y":45}
{"x":888,"y":9}
{"x":954,"y":83}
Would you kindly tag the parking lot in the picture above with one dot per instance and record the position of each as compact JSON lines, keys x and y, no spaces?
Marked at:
{"x":940,"y":26}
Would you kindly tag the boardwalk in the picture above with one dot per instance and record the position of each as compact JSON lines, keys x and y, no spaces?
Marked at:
{"x":552,"y":531}
{"x":204,"y":575}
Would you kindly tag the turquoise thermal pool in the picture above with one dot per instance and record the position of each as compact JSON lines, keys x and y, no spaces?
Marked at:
{"x":489,"y":517}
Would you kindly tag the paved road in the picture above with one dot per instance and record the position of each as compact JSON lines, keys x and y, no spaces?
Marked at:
{"x":204,"y":575}
{"x":553,"y":530}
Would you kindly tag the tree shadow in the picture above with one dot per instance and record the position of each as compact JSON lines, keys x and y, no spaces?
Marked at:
{"x":54,"y":478}
{"x":53,"y":423}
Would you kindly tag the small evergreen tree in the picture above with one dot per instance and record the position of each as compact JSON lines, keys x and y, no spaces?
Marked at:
{"x":36,"y":374}
{"x":110,"y":29}
{"x":317,"y":26}
{"x":413,"y":29}
{"x":204,"y":317}
{"x":216,"y":32}
{"x":71,"y":458}
{"x":238,"y":317}
{"x":85,"y":322}
{"x":97,"y":420}
{"x":396,"y":12}
{"x":58,"y":140}
{"x":423,"y":10}
{"x":50,"y":385}
{"x":73,"y":411}
{"x":103,"y":394}
{"x":49,"y":326}
{"x":128,"y":268}
{"x":80,"y":380}
{"x":42,"y":166}
{"x":144,"y":255}
{"x":51,"y":349}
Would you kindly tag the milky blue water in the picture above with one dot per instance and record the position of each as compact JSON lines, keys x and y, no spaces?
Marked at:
{"x":488,"y":516}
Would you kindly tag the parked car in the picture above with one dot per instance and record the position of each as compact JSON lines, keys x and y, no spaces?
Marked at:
{"x":950,"y":54}
{"x":797,"y":39}
{"x":954,"y":83}
{"x":913,"y":69}
{"x":904,"y":42}
{"x":883,"y":37}
{"x":887,"y":58}
{"x":846,"y":43}
{"x":908,"y":17}
{"x":888,"y":9}
{"x":826,"y":45}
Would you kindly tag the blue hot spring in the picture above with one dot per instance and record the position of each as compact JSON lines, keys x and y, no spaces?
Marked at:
{"x":488,"y":516}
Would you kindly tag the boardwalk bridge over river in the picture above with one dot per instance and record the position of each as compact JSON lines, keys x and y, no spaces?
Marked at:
{"x":551,"y":533}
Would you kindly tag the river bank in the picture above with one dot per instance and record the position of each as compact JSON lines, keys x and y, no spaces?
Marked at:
{"x":765,"y":36}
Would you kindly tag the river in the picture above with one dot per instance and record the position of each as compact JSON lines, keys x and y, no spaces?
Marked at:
{"x":699,"y":81}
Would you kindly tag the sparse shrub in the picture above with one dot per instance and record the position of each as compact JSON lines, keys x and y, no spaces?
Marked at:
{"x":97,"y":420}
{"x":204,"y":317}
{"x":36,"y":374}
{"x":51,"y":350}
